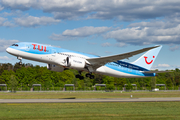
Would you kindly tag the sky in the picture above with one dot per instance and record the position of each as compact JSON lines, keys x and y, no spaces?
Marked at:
{"x":99,"y":27}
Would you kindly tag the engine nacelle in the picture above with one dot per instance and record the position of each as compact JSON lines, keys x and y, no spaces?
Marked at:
{"x":73,"y":62}
{"x":55,"y":68}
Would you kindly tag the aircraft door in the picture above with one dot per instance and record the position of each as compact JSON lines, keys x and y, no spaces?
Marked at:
{"x":27,"y":47}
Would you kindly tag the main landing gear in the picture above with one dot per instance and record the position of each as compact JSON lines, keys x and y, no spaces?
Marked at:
{"x":79,"y":76}
{"x":20,"y":58}
{"x":89,"y":75}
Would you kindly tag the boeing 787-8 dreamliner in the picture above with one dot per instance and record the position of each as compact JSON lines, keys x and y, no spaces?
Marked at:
{"x":59,"y":59}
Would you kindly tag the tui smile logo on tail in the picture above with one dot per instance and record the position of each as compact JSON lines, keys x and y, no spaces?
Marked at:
{"x":147,"y":61}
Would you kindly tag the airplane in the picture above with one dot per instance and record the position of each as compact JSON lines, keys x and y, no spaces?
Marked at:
{"x":59,"y":59}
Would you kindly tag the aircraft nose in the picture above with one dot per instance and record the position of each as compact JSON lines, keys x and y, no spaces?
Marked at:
{"x":8,"y":50}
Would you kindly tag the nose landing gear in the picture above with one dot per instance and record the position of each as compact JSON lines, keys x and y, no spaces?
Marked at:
{"x":20,"y":58}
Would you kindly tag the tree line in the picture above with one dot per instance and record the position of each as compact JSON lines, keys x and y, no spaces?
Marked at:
{"x":22,"y":77}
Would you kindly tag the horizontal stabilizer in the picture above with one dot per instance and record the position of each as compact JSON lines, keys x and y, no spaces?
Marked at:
{"x":155,"y":71}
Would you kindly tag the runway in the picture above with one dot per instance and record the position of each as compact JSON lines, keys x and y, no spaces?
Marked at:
{"x":73,"y":100}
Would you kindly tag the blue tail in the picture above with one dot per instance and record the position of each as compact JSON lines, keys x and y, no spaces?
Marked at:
{"x":146,"y":61}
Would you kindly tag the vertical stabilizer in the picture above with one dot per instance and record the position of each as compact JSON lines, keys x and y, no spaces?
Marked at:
{"x":146,"y":61}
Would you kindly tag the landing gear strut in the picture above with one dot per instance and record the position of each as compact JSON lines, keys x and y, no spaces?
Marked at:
{"x":20,"y":58}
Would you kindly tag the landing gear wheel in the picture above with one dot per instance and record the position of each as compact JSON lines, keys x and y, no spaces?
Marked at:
{"x":77,"y":76}
{"x":80,"y":77}
{"x":20,"y":63}
{"x":90,"y":76}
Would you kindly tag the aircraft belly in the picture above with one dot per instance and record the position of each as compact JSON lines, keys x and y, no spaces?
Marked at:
{"x":36,"y":57}
{"x":111,"y":72}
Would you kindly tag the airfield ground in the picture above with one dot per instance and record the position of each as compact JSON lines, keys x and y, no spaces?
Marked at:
{"x":76,"y":111}
{"x":99,"y":110}
{"x":101,"y":94}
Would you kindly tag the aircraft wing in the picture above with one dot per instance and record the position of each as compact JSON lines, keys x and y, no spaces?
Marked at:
{"x":97,"y":62}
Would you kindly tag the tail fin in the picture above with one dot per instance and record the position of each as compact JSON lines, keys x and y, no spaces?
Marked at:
{"x":148,"y":58}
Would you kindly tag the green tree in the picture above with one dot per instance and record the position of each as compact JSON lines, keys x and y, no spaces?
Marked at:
{"x":13,"y":83}
{"x":6,"y":76}
{"x":109,"y":81}
{"x":129,"y":86}
{"x":153,"y":83}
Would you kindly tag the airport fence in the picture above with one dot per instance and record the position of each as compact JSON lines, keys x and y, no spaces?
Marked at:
{"x":93,"y":88}
{"x":62,"y":89}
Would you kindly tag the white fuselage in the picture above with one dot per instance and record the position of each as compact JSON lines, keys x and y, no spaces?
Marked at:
{"x":58,"y":57}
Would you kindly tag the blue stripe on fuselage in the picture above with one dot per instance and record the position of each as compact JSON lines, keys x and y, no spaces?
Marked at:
{"x":128,"y":68}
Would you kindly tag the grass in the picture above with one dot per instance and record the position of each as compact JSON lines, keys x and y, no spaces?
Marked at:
{"x":76,"y":111}
{"x":89,"y":111}
{"x":56,"y":95}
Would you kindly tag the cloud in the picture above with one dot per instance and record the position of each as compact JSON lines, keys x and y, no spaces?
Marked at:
{"x":91,"y":43}
{"x":85,"y":31}
{"x":128,"y":35}
{"x":144,"y":33}
{"x":2,"y":20}
{"x":120,"y":44}
{"x":19,"y":4}
{"x":5,"y":23}
{"x":176,"y":47}
{"x":162,"y":66}
{"x":108,"y":52}
{"x":92,"y":53}
{"x":6,"y":43}
{"x":126,"y":10}
{"x":162,"y":31}
{"x":16,"y":13}
{"x":60,"y":37}
{"x":106,"y":44}
{"x":163,"y":26}
{"x":5,"y":58}
{"x":1,"y":8}
{"x":165,"y":67}
{"x":79,"y":33}
{"x":31,"y":21}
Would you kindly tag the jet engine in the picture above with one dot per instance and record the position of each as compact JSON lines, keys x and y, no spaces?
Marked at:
{"x":73,"y":62}
{"x":55,"y":68}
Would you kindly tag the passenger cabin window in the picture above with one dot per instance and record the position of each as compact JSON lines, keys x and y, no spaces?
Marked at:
{"x":15,"y":45}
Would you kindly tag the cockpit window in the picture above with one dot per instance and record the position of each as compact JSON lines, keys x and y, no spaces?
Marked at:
{"x":15,"y":45}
